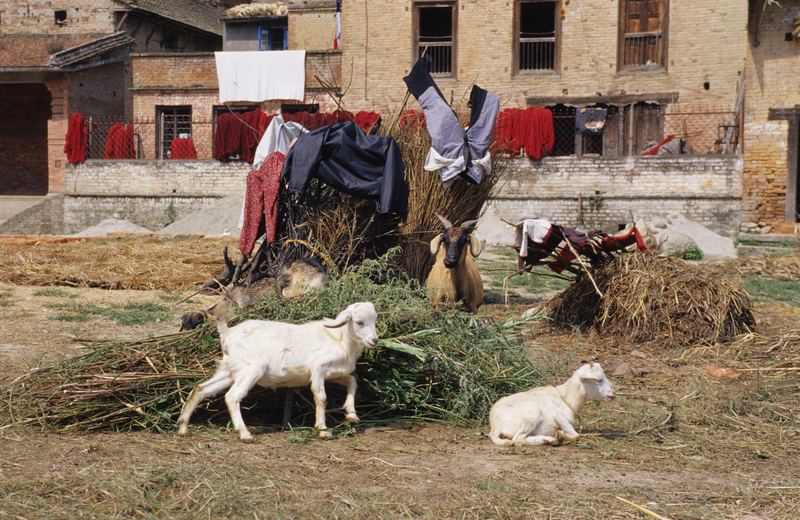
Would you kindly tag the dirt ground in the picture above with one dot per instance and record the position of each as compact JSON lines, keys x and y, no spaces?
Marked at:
{"x":676,"y":441}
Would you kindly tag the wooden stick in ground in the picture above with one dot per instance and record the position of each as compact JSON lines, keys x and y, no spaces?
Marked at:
{"x":509,"y":277}
{"x":583,"y":265}
{"x":643,"y":509}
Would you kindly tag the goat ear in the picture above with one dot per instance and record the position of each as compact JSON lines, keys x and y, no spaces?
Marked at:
{"x":446,"y":223}
{"x":339,"y":321}
{"x":435,"y":244}
{"x":475,"y":246}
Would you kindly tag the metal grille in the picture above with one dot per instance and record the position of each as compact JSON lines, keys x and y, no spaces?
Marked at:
{"x":439,"y":57}
{"x":172,"y":122}
{"x":564,"y":130}
{"x":537,"y":53}
{"x":435,"y":30}
{"x":642,"y":49}
{"x":536,"y":31}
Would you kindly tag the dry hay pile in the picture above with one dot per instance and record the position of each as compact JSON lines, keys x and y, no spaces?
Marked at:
{"x":784,"y":267}
{"x":124,"y":262}
{"x":648,"y":297}
{"x":447,"y":366}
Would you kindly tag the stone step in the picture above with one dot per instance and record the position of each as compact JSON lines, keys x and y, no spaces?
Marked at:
{"x":770,"y":238}
{"x":743,"y":251}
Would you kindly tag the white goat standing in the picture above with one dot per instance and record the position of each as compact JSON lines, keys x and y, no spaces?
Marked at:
{"x":275,"y":354}
{"x":543,"y":415}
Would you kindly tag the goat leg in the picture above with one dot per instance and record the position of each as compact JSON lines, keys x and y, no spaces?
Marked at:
{"x":220,"y":281}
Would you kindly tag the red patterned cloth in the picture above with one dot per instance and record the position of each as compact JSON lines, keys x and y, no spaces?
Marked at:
{"x":76,"y":144}
{"x":182,"y":148}
{"x":261,"y":202}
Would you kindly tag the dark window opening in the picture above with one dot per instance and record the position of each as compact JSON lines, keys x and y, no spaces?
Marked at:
{"x":537,"y":35}
{"x":564,"y":130}
{"x":273,"y":37}
{"x":172,"y":122}
{"x":435,"y":37}
{"x":311,"y":108}
{"x":643,"y":33}
{"x":60,"y":17}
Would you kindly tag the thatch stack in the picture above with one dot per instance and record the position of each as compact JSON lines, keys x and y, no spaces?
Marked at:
{"x":257,"y":10}
{"x":448,"y":366}
{"x":648,"y":297}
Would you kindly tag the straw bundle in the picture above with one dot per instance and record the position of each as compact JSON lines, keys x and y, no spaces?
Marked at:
{"x":784,"y":267}
{"x":648,"y":297}
{"x":448,"y":367}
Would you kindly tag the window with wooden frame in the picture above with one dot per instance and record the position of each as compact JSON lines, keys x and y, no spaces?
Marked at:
{"x":171,"y":122}
{"x":274,"y":37}
{"x":435,"y":36}
{"x":536,"y":35}
{"x":643,"y":34}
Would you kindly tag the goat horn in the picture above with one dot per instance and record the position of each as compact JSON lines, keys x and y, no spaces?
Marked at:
{"x":469,"y":223}
{"x":446,"y":223}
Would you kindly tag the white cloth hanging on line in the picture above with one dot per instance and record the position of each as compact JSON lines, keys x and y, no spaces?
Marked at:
{"x":258,"y":76}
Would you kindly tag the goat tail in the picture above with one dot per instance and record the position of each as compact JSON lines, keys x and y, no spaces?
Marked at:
{"x":220,"y":313}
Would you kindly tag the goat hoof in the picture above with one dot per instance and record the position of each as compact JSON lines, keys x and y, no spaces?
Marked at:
{"x":352,"y":418}
{"x":325,"y":434}
{"x":183,"y":430}
{"x":246,"y":436}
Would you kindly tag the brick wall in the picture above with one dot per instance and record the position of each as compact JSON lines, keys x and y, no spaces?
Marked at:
{"x":377,"y":41}
{"x":706,"y":189}
{"x":766,"y":167}
{"x":311,"y":28}
{"x":37,"y":17}
{"x":157,"y":178}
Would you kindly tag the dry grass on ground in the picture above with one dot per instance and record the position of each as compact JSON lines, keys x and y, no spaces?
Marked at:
{"x":121,"y":262}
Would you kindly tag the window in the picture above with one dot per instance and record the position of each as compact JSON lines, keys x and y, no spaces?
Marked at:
{"x":60,"y":17}
{"x":643,"y":33}
{"x":535,"y":35}
{"x":273,"y":37}
{"x":435,"y":36}
{"x":172,"y":122}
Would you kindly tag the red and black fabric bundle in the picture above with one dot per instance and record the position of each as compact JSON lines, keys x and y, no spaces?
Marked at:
{"x":182,"y":148}
{"x":261,"y":202}
{"x":76,"y":144}
{"x":119,"y":142}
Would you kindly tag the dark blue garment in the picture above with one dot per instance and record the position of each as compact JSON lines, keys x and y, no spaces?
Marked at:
{"x":344,"y":157}
{"x":590,"y":120}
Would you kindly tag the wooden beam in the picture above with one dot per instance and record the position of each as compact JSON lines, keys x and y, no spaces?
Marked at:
{"x":658,"y":97}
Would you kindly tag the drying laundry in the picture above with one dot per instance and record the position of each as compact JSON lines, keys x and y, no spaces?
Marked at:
{"x":454,"y":151}
{"x":537,"y":229}
{"x":261,"y":203}
{"x":227,"y":136}
{"x":367,"y":121}
{"x":591,"y":120}
{"x":276,"y":138}
{"x":254,"y":123}
{"x":76,"y":144}
{"x":261,"y":75}
{"x":119,"y":142}
{"x":347,"y":159}
{"x":182,"y":148}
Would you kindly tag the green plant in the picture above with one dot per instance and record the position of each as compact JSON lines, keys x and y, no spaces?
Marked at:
{"x":170,"y":213}
{"x":692,"y":252}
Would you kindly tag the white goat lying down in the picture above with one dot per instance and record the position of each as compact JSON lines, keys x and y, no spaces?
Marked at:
{"x":545,"y":414}
{"x":275,"y":354}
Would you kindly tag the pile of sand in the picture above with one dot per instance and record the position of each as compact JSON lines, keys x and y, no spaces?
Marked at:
{"x":112,"y":225}
{"x":220,"y":219}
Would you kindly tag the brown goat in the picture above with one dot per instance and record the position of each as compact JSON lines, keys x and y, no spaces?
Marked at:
{"x":454,"y":276}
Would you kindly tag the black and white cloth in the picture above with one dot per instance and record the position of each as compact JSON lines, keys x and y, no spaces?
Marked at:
{"x":347,"y":159}
{"x":455,"y":151}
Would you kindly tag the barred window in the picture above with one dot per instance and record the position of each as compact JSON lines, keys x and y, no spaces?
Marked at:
{"x":536,"y":34}
{"x":171,"y":122}
{"x":435,"y":36}
{"x":643,"y":33}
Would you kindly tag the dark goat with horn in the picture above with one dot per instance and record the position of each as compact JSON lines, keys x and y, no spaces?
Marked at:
{"x":454,"y":276}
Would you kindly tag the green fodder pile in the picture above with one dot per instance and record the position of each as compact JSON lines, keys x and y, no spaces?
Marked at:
{"x":447,"y":367}
{"x":648,"y":297}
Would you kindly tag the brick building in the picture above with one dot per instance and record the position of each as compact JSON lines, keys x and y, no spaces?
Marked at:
{"x":56,"y":59}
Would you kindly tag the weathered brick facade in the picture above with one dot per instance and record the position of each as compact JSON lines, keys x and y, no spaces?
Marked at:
{"x":37,"y":17}
{"x":707,"y":44}
{"x":771,"y":83}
